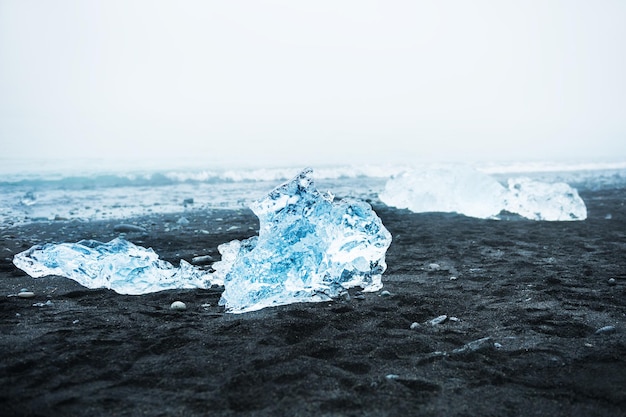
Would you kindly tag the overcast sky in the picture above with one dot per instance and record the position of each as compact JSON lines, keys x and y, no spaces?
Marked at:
{"x":289,"y":82}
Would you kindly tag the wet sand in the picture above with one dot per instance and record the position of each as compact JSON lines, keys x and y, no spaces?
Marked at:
{"x":520,"y":335}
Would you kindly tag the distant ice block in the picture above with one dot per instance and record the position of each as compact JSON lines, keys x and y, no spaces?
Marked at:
{"x":541,"y":201}
{"x":466,"y":191}
{"x":118,"y":265}
{"x":309,"y":248}
{"x":457,"y":189}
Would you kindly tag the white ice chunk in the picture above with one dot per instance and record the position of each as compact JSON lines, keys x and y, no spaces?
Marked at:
{"x":457,"y":189}
{"x":541,"y":201}
{"x":466,"y":191}
{"x":309,"y":248}
{"x":118,"y":265}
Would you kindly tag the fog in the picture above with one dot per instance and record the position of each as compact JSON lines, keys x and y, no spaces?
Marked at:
{"x":324,"y":82}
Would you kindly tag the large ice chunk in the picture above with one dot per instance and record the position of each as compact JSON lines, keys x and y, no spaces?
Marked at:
{"x":118,"y":265}
{"x":309,"y":248}
{"x":457,"y":189}
{"x":466,"y":191}
{"x":541,"y":201}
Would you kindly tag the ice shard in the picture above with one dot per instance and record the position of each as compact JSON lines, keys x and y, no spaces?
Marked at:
{"x":118,"y":265}
{"x":466,"y":191}
{"x":309,"y":248}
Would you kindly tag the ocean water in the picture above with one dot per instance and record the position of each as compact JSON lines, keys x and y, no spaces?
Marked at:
{"x":32,"y":191}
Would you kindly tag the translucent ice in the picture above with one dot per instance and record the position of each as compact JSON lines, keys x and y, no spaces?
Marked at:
{"x":457,"y":189}
{"x":466,"y":191}
{"x":118,"y":265}
{"x":541,"y":201}
{"x":309,"y":248}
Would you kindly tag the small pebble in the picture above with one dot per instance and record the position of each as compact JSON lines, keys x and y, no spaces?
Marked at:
{"x":497,"y":345}
{"x":26,"y":294}
{"x":385,"y":293}
{"x":182,"y":221}
{"x":202,"y":260}
{"x":415,"y":326}
{"x":438,"y":320}
{"x":359,"y":296}
{"x":454,"y":319}
{"x":606,"y":329}
{"x":434,"y":267}
{"x":612,"y":281}
{"x":453,"y":278}
{"x":128,"y":228}
{"x":392,"y":376}
{"x":178,"y":306}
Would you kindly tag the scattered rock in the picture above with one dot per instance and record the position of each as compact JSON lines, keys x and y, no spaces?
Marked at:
{"x":128,"y":228}
{"x":385,"y":293}
{"x":415,"y":325}
{"x":187,"y":201}
{"x":438,"y":320}
{"x":473,"y":346}
{"x":178,"y":306}
{"x":182,"y":221}
{"x":606,"y":330}
{"x":25,"y":294}
{"x":453,"y":278}
{"x":434,"y":267}
{"x":202,"y":260}
{"x":612,"y":281}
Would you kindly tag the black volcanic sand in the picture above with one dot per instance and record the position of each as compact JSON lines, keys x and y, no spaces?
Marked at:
{"x":539,"y":291}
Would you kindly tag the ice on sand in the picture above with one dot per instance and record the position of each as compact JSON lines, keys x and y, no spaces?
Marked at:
{"x":466,"y":191}
{"x":537,"y":200}
{"x":459,"y":189}
{"x":118,"y":265}
{"x":309,"y":248}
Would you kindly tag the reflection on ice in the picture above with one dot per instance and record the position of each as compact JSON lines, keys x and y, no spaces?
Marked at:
{"x":466,"y":191}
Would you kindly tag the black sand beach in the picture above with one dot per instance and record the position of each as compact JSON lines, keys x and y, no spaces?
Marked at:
{"x":520,"y":338}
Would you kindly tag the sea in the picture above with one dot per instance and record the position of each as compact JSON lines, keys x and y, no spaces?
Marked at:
{"x":90,"y":190}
